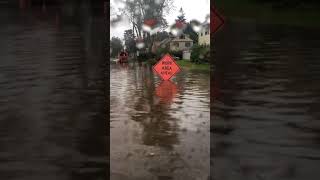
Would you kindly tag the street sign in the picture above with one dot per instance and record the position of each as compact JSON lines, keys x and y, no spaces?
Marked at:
{"x":166,"y":67}
{"x":217,"y":20}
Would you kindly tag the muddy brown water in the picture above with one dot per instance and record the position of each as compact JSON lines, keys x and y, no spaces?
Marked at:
{"x":265,"y":110}
{"x":266,"y":97}
{"x":52,"y":95}
{"x":159,"y":130}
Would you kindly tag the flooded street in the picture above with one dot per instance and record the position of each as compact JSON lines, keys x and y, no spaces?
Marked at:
{"x":159,"y":130}
{"x":266,"y":97}
{"x":52,"y":97}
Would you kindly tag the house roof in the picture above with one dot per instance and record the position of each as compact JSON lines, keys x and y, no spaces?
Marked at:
{"x":182,"y":40}
{"x":174,"y":39}
{"x":165,"y":41}
{"x":205,"y":27}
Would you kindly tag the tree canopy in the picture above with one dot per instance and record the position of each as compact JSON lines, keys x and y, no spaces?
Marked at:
{"x":181,"y":16}
{"x":140,"y":10}
{"x":129,"y":41}
{"x":116,"y":46}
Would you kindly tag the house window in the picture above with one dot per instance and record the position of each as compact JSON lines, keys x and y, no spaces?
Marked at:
{"x":176,"y":44}
{"x":201,"y":34}
{"x":188,"y":44}
{"x":206,"y":32}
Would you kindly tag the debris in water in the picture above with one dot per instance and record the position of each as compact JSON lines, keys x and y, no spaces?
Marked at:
{"x":151,"y":154}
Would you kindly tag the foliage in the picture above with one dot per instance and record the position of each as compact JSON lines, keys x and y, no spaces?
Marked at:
{"x":152,"y":61}
{"x":161,"y":52}
{"x":144,"y":56}
{"x":181,"y":17}
{"x":192,"y":34}
{"x":200,"y":54}
{"x":129,"y":41}
{"x":139,"y":10}
{"x":188,"y":29}
{"x":160,"y":36}
{"x":116,"y":46}
{"x":176,"y":54}
{"x":186,"y":64}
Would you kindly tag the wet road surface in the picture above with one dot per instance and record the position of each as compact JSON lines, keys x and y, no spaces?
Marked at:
{"x":52,"y":96}
{"x":266,"y":95}
{"x":159,"y":131}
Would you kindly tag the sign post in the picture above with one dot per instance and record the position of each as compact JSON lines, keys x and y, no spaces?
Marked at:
{"x":166,"y":68}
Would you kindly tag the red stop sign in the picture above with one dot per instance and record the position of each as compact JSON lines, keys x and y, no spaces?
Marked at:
{"x":166,"y":67}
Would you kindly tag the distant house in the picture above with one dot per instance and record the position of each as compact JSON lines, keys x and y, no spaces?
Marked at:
{"x":204,"y":35}
{"x":180,"y":43}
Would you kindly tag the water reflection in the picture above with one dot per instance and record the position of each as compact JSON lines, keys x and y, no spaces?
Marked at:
{"x":166,"y":91}
{"x":159,"y":129}
{"x":265,"y":122}
{"x":52,"y":95}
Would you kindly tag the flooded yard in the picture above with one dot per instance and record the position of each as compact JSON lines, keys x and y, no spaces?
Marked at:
{"x":159,"y":130}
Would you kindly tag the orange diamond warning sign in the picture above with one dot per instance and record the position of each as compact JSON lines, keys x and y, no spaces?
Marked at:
{"x":166,"y":67}
{"x":217,"y":20}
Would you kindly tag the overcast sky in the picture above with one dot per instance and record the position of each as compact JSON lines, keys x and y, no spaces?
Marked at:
{"x":194,"y":10}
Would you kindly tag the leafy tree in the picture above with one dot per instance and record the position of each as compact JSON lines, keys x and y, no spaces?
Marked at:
{"x":161,"y":35}
{"x":192,"y":34}
{"x":139,"y":10}
{"x":200,"y":54}
{"x":188,"y":29}
{"x":129,"y":41}
{"x":290,"y":3}
{"x":116,"y":46}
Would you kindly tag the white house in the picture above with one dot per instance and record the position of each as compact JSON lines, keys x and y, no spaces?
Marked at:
{"x":179,"y":43}
{"x":204,"y":35}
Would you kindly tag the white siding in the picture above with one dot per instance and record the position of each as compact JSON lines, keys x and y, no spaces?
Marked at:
{"x":204,"y":36}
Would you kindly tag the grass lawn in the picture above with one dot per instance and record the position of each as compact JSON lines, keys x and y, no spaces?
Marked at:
{"x":186,"y":64}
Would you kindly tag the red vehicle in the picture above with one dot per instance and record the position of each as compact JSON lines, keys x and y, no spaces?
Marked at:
{"x":123,"y":57}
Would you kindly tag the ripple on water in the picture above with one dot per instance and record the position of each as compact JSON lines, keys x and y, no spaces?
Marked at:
{"x":265,"y":121}
{"x":171,"y":128}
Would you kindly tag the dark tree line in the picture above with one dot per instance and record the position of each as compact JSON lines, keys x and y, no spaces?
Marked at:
{"x":290,"y":3}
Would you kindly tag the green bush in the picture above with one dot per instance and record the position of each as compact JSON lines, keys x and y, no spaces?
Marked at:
{"x":152,"y":61}
{"x":200,"y":54}
{"x":160,"y":53}
{"x":144,"y":56}
{"x":176,"y":54}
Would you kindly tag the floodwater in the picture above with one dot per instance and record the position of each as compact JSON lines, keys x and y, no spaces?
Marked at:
{"x":52,"y":95}
{"x":266,"y":97}
{"x":159,"y":130}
